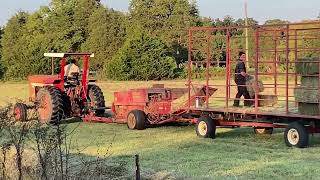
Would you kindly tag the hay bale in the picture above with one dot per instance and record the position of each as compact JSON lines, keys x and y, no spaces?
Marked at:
{"x":251,"y":84}
{"x":307,"y":66}
{"x":311,"y":82}
{"x":306,"y":95}
{"x":308,"y":109}
{"x":267,"y":100}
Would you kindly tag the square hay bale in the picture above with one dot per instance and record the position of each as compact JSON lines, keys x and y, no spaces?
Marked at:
{"x":306,"y":95}
{"x":307,"y":66}
{"x":251,"y":84}
{"x":267,"y":100}
{"x":308,"y":109}
{"x":311,"y":82}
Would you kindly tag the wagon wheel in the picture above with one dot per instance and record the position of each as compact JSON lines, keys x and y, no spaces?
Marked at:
{"x":136,"y":119}
{"x":20,"y":112}
{"x":296,"y":135}
{"x":206,"y":127}
{"x":261,"y":131}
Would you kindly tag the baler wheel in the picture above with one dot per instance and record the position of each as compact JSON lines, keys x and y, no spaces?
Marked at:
{"x":296,"y":135}
{"x":136,"y":119}
{"x":20,"y":112}
{"x":261,"y":131}
{"x":206,"y":127}
{"x":97,"y":99}
{"x":49,"y":105}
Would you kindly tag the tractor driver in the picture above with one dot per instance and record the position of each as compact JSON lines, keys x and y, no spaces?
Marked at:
{"x":71,"y":68}
{"x":240,"y":79}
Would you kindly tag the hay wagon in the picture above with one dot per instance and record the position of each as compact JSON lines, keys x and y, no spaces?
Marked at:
{"x":285,"y":57}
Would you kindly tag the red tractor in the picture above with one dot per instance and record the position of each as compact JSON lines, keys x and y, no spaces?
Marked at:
{"x":57,"y":97}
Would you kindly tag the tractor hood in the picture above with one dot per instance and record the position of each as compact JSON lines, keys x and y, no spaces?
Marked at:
{"x":44,"y":79}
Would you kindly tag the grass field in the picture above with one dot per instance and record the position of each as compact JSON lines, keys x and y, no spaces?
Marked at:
{"x":172,"y":152}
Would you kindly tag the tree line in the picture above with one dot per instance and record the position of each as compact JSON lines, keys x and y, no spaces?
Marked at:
{"x":146,"y":43}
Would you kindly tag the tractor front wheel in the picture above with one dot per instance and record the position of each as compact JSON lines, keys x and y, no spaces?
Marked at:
{"x":206,"y":127}
{"x":49,"y":105}
{"x":136,"y":119}
{"x":20,"y":112}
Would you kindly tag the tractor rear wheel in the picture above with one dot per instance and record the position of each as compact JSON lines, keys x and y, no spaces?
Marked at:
{"x":96,"y":99}
{"x":49,"y":105}
{"x":20,"y":112}
{"x":262,"y":131}
{"x":206,"y":127}
{"x":136,"y":120}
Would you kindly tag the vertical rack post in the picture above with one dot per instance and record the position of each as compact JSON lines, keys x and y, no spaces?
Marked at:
{"x":189,"y":68}
{"x":227,"y":70}
{"x":287,"y":69}
{"x":208,"y":67}
{"x":256,"y":69}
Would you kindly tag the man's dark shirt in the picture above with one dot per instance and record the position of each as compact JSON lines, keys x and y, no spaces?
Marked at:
{"x":240,"y":67}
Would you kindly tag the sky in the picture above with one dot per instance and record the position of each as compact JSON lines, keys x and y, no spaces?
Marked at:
{"x":260,"y":10}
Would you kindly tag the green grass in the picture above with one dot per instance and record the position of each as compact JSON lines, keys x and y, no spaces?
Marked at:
{"x":177,"y":153}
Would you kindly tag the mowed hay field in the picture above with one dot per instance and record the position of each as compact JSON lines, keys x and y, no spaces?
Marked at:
{"x":172,"y":152}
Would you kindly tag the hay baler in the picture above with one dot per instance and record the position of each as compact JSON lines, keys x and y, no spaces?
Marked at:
{"x":150,"y":106}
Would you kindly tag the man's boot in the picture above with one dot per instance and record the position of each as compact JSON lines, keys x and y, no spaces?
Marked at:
{"x":236,"y":103}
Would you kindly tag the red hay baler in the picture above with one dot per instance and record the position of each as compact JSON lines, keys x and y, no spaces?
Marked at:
{"x":150,"y":106}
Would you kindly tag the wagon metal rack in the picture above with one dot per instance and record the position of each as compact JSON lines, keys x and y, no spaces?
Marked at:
{"x":274,"y":51}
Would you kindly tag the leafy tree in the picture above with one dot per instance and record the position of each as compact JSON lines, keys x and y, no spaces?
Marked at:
{"x":12,"y":45}
{"x":168,"y":20}
{"x":107,"y":33}
{"x":141,"y":58}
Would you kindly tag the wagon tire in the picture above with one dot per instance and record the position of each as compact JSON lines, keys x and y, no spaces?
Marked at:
{"x":296,"y":135}
{"x":263,"y":131}
{"x":136,"y":119}
{"x":206,"y":127}
{"x":20,"y":112}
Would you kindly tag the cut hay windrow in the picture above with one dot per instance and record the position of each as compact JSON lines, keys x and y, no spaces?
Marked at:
{"x":307,"y":66}
{"x":310,"y":82}
{"x":306,"y":95}
{"x":308,"y":109}
{"x":251,"y":84}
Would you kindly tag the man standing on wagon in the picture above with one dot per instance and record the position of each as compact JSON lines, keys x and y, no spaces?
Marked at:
{"x":240,"y":77}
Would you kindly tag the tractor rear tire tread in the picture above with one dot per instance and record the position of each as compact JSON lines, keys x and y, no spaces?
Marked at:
{"x":98,"y":98}
{"x":57,"y":104}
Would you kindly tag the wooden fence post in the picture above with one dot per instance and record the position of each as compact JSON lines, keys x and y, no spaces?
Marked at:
{"x":137,"y":167}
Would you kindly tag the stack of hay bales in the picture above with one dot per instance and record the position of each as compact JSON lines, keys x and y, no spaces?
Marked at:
{"x":307,"y":95}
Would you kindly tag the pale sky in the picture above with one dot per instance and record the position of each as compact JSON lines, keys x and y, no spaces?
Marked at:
{"x":261,"y":10}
